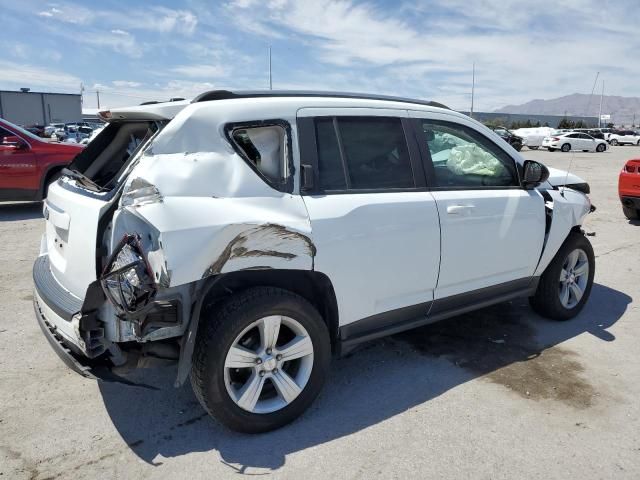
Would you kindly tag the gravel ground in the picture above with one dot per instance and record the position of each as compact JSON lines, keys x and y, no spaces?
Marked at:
{"x":499,"y":393}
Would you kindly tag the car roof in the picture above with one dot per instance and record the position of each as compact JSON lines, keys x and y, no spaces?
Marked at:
{"x":239,"y":94}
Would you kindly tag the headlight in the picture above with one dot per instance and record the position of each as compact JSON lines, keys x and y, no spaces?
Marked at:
{"x":127,"y":281}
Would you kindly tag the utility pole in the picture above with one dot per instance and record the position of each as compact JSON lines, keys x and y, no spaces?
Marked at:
{"x":270,"y":78}
{"x":600,"y":112}
{"x":81,"y":93}
{"x":473,"y":87}
{"x":98,"y":97}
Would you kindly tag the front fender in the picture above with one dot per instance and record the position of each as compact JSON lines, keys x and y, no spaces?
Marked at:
{"x":568,"y":209}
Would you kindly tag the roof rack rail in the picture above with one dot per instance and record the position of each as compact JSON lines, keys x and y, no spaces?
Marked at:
{"x":228,"y":94}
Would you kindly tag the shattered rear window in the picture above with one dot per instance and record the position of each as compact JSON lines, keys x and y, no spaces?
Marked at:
{"x":265,"y":148}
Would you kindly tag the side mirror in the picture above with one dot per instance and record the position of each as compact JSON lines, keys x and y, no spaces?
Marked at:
{"x":22,"y":145}
{"x":533,"y":174}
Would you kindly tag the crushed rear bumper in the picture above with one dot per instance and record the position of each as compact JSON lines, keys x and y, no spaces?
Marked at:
{"x":73,"y":361}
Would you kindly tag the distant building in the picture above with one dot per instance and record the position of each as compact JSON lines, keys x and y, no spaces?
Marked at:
{"x":39,"y":108}
{"x":507,"y":118}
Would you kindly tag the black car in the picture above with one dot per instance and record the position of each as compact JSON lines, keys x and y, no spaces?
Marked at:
{"x":511,"y":138}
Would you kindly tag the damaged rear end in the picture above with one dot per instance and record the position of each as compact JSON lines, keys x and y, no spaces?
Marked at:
{"x":146,"y":223}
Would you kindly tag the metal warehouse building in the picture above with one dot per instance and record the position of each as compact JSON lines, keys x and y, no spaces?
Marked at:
{"x":39,"y":108}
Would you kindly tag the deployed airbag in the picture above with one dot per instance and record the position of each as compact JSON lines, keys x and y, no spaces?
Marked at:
{"x":472,"y":160}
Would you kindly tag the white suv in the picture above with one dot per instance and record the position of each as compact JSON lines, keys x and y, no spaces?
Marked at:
{"x":624,"y":137}
{"x":248,"y":236}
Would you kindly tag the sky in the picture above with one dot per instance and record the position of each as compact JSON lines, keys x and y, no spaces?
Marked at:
{"x":134,"y":51}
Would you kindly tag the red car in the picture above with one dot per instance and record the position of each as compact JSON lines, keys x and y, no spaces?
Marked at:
{"x":28,"y":164}
{"x":629,"y":189}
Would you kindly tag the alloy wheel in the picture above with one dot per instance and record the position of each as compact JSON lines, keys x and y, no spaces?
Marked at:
{"x":268,"y":364}
{"x":574,"y":278}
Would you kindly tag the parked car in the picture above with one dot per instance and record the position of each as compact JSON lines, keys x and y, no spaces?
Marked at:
{"x":96,"y":131}
{"x":249,"y":238}
{"x":574,"y":141}
{"x":37,"y":130}
{"x":74,"y":134}
{"x":52,"y":127}
{"x":512,"y":139}
{"x":624,"y":137}
{"x":592,"y":132}
{"x":28,"y":164}
{"x":629,"y":189}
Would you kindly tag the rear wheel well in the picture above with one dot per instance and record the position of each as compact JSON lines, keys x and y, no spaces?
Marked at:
{"x":51,"y":173}
{"x":315,"y":287}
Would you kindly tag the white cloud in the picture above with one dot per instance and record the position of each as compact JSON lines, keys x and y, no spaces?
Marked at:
{"x":200,"y":71}
{"x":427,"y":48}
{"x":16,"y":75}
{"x":156,"y":18}
{"x":125,"y":83}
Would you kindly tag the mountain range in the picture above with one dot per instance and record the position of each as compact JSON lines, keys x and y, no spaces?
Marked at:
{"x":623,"y":110}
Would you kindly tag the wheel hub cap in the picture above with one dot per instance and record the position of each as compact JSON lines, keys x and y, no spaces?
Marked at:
{"x":270,"y":363}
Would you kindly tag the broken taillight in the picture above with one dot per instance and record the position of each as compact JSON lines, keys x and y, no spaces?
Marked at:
{"x":127,"y":280}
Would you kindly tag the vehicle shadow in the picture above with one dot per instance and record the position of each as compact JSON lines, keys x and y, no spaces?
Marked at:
{"x":11,"y":212}
{"x":506,"y":344}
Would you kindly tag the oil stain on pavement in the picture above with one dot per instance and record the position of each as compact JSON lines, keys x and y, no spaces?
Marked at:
{"x":497,"y":343}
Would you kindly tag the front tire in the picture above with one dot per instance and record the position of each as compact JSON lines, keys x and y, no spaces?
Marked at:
{"x":566,"y":284}
{"x":533,"y":148}
{"x":260,"y":359}
{"x":566,"y":147}
{"x":631,"y":213}
{"x":601,"y":147}
{"x":613,"y":142}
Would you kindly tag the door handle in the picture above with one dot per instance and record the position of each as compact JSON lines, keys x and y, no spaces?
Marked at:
{"x":460,"y":209}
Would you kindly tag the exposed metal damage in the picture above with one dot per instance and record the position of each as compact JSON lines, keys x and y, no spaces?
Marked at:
{"x":268,"y":240}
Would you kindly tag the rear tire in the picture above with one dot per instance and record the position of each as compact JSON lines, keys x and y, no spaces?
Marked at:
{"x":533,"y":148}
{"x":551,"y":149}
{"x":613,"y":142}
{"x":284,"y":389}
{"x":566,"y":147}
{"x":631,"y":213}
{"x":556,"y":298}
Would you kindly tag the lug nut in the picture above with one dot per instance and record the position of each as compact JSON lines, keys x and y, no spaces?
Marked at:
{"x":279,"y":357}
{"x":268,"y":351}
{"x":258,"y":361}
{"x":262,"y":373}
{"x":275,"y":370}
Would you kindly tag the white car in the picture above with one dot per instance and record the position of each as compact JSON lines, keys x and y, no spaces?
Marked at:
{"x":624,"y":137}
{"x":248,"y":236}
{"x":574,"y":141}
{"x":52,"y":127}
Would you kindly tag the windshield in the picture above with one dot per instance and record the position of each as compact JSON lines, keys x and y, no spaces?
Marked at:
{"x":20,"y":130}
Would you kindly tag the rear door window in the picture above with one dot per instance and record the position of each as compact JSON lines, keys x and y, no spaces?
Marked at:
{"x":362,"y":153}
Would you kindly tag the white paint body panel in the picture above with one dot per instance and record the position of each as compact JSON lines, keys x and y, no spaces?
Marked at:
{"x":496,"y":239}
{"x":381,"y":251}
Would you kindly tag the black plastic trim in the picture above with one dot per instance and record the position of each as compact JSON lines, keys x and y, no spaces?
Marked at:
{"x":59,"y":347}
{"x":406,"y":318}
{"x":63,"y":303}
{"x":19,"y":194}
{"x":229,"y":95}
{"x":627,"y":201}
